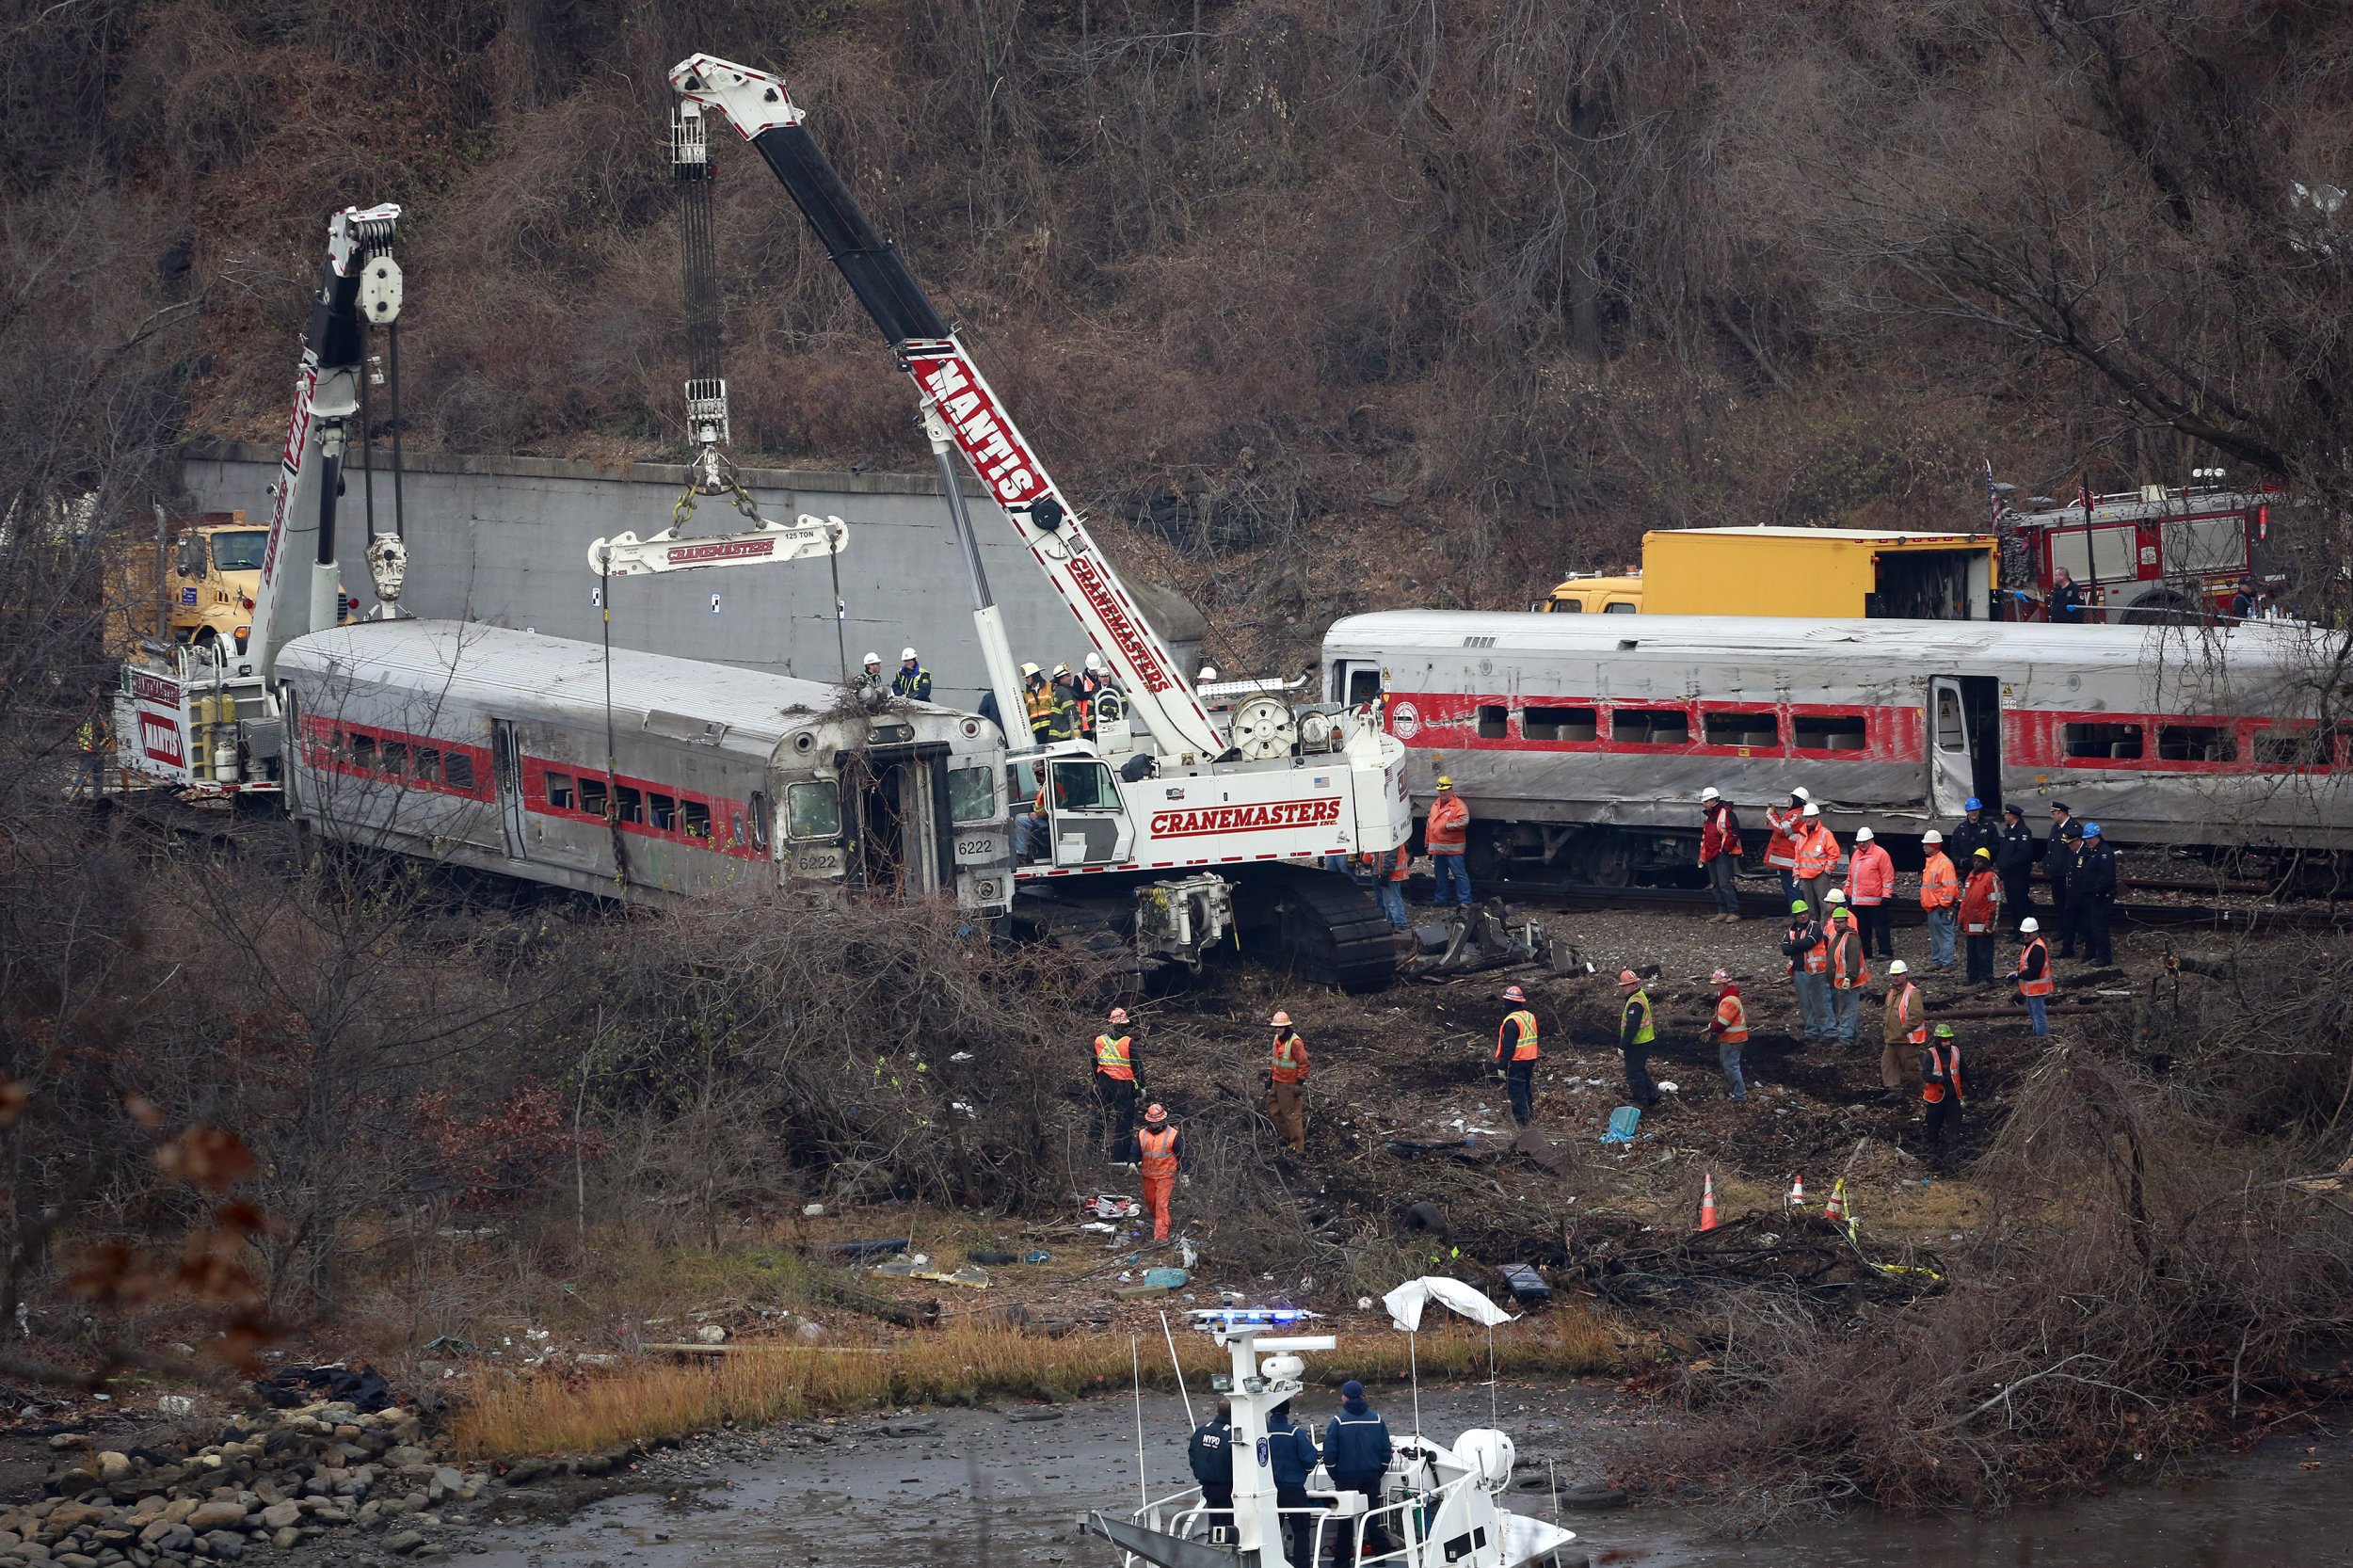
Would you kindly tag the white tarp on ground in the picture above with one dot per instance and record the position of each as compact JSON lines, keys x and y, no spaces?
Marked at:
{"x":1405,"y":1302}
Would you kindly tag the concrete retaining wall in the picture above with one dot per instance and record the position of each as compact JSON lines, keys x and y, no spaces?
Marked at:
{"x":505,"y":540}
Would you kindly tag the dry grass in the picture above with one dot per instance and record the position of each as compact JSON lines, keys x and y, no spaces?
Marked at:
{"x":755,"y":1387}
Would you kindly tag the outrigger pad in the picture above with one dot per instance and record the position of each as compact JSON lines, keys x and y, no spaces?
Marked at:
{"x":1169,"y":1551}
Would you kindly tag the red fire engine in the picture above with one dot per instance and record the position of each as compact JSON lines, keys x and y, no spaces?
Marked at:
{"x":2158,"y":553}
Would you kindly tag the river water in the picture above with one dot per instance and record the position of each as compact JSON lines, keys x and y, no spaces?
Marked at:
{"x":981,"y":1488}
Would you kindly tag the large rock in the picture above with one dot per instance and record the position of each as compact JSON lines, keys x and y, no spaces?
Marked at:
{"x":406,"y":1542}
{"x":166,"y":1535}
{"x":218,"y":1514}
{"x":286,"y":1540}
{"x":225,"y":1544}
{"x":278,"y":1515}
{"x":113,"y":1466}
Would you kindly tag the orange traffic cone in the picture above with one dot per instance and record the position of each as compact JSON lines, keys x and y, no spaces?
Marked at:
{"x":1707,"y":1203}
{"x":1797,"y":1190}
{"x":1835,"y":1210}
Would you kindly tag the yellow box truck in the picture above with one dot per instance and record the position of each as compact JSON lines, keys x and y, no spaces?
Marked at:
{"x":1824,"y":573}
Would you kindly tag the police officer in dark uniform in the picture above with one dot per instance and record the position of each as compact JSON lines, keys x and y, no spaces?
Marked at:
{"x":1290,"y":1454}
{"x":1210,"y":1454}
{"x":2059,"y":859}
{"x":1970,"y":835}
{"x":2091,"y":896}
{"x":2014,"y":854}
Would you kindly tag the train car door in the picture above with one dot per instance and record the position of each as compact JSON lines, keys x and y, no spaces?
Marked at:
{"x":1964,"y":743}
{"x":506,"y":771}
{"x":1356,"y":682}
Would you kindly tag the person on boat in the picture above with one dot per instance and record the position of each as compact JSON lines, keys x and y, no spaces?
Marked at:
{"x":1210,"y":1454}
{"x":1290,"y":1453}
{"x":1357,"y":1451}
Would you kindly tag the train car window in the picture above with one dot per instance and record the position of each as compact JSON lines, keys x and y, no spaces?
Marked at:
{"x":591,"y":794}
{"x":1740,"y":729}
{"x":1494,"y":719}
{"x":1657,"y":727}
{"x":2196,"y":742}
{"x":972,"y":794}
{"x":363,"y":751}
{"x":429,"y":764}
{"x":1952,"y":733}
{"x":457,"y":770}
{"x":2301,"y":747}
{"x":559,"y":789}
{"x":812,"y":811}
{"x":695,"y":819}
{"x":758,"y":813}
{"x":662,"y":810}
{"x":1362,"y":686}
{"x":1828,"y":731}
{"x":393,"y":758}
{"x":629,"y":803}
{"x":2111,"y":741}
{"x":1559,"y":724}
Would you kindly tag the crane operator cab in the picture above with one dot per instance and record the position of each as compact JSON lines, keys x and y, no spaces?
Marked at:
{"x":1073,"y":815}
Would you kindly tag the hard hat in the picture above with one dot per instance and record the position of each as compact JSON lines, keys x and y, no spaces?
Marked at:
{"x":873,"y":658}
{"x":1810,"y":810}
{"x":1944,"y":1032}
{"x":1932,"y":836}
{"x":1709,"y":793}
{"x":1119,"y":1015}
{"x":1061,"y":670}
{"x":1982,"y":855}
{"x":1898,"y":966}
{"x":2091,"y":830}
{"x":1030,"y":670}
{"x":1799,"y":906}
{"x":905,"y":653}
{"x":1862,"y":834}
{"x":1281,"y":1019}
{"x":1208,"y":672}
{"x":1094,"y":663}
{"x":1837,"y":895}
{"x":1512,"y":993}
{"x":1156,"y":1113}
{"x":1799,"y":794}
{"x":1718,"y":978}
{"x":1972,"y":804}
{"x":1627,"y":977}
{"x":2029,"y":926}
{"x":1842,"y":913}
{"x":1445,"y":783}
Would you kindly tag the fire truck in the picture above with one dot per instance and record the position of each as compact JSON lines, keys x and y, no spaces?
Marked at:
{"x":2142,"y":557}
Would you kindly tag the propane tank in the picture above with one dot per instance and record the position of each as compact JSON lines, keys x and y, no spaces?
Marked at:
{"x":225,"y":762}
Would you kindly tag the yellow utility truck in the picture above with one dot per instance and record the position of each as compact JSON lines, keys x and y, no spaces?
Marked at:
{"x":1825,"y":573}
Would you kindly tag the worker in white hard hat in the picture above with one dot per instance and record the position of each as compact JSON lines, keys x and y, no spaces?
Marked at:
{"x":1870,"y":883}
{"x":1037,"y":702}
{"x":913,"y":681}
{"x":1516,"y":1054}
{"x":1719,"y":853}
{"x":1208,"y":673}
{"x":2034,"y":972}
{"x":873,"y":676}
{"x":1817,"y":858}
{"x":1094,"y":685}
{"x":1903,"y":1031}
{"x":1781,"y":850}
{"x":1940,"y":899}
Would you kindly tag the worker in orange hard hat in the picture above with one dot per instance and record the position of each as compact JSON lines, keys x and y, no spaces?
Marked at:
{"x":1517,"y":1054}
{"x":1287,"y":1074}
{"x":1115,"y":1085}
{"x":1157,"y":1153}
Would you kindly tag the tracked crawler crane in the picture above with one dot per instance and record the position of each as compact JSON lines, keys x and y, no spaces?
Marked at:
{"x":1168,"y":817}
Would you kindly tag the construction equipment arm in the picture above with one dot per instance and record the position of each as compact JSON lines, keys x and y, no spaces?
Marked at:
{"x":953,"y":390}
{"x":359,"y":285}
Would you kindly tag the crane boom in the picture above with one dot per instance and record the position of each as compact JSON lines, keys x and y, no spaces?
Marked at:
{"x":950,"y":385}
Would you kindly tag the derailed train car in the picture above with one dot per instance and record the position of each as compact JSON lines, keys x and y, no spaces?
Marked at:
{"x":539,"y":758}
{"x":1581,"y":742}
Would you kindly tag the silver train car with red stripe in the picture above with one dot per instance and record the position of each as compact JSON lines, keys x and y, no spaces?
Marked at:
{"x":539,"y":758}
{"x":1581,"y":742}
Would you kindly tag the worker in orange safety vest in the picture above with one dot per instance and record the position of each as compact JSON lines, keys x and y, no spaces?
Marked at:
{"x":1446,"y":834}
{"x":1904,"y":1031}
{"x":1157,"y":1153}
{"x":1870,"y":883}
{"x":1980,"y":908}
{"x":1941,"y":1090}
{"x":1781,"y":849}
{"x":1116,"y":1086}
{"x":1808,"y":952}
{"x":1940,"y":892}
{"x":2034,"y":973}
{"x":1516,"y":1052}
{"x":1850,"y":971}
{"x":1387,"y":871}
{"x":1729,"y":1029}
{"x":1818,"y":858}
{"x":1286,"y":1074}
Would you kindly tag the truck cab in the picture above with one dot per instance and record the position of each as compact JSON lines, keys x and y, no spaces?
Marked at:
{"x":214,"y":573}
{"x":1593,"y":594}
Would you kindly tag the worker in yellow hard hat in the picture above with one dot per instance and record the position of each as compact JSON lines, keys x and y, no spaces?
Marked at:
{"x":1446,"y":834}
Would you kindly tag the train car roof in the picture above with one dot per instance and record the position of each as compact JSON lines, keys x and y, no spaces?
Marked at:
{"x":1912,"y":643}
{"x":543,"y":675}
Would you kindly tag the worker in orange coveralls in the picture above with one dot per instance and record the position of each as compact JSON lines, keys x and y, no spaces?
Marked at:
{"x":1157,"y":1152}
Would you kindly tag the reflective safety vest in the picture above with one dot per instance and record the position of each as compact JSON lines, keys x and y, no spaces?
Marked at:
{"x":1159,"y":1152}
{"x":1396,"y":862}
{"x":1112,"y":1057}
{"x":1290,"y":1058}
{"x":915,"y":683}
{"x":1817,"y":957}
{"x":1904,"y":1008}
{"x":1977,"y":901}
{"x":1524,"y":1050}
{"x":1637,"y":1005}
{"x":1817,"y":852}
{"x":2034,"y":987}
{"x":1849,"y":969}
{"x":1940,"y":1067}
{"x":1939,"y":887}
{"x":1038,"y":702}
{"x":1872,"y":877}
{"x":1782,"y":848}
{"x":87,"y":736}
{"x":1732,"y":1020}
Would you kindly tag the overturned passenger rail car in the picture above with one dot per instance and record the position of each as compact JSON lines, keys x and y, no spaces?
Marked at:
{"x":1581,"y":742}
{"x":539,"y":758}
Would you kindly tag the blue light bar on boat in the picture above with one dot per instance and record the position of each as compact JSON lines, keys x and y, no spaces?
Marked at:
{"x":1248,"y":1317}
